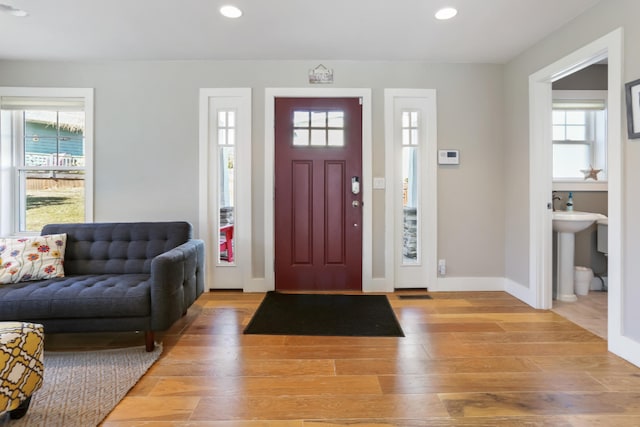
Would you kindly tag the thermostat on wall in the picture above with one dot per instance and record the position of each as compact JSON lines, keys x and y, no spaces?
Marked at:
{"x":448,"y":157}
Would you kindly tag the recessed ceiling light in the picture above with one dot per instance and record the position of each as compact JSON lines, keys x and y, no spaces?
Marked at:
{"x":446,"y":13}
{"x":12,"y":10}
{"x":229,"y":11}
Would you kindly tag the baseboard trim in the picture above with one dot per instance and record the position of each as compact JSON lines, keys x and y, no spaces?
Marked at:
{"x":444,"y":284}
{"x":470,"y":284}
{"x":258,"y":285}
{"x":624,"y":347}
{"x":520,"y":291}
{"x":377,"y":285}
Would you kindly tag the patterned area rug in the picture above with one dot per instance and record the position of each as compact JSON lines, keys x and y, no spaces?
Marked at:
{"x":81,"y":387}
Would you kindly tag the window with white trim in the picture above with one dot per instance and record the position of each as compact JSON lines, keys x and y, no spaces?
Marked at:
{"x":45,"y":155}
{"x":579,"y":136}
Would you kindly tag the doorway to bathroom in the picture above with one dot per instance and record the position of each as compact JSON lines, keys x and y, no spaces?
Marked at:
{"x":608,"y":47}
{"x":579,"y":183}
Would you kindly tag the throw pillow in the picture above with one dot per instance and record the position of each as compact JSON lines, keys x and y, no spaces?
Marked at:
{"x":32,"y":258}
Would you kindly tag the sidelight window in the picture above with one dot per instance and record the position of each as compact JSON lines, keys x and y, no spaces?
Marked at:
{"x":227,"y":128}
{"x":410,"y":184}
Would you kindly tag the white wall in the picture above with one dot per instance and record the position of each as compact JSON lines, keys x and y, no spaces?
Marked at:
{"x":595,"y":23}
{"x":146,"y":141}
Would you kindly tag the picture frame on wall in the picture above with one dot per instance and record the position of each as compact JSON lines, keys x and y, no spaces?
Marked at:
{"x":632,"y":90}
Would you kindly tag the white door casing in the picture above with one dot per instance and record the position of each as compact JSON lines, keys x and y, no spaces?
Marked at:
{"x":539,"y":293}
{"x":219,"y":275}
{"x":368,"y":283}
{"x":424,"y":273}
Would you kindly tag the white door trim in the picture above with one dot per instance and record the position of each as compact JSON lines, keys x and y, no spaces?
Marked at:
{"x":236,"y":275}
{"x":368,"y":285}
{"x":425,"y":274}
{"x":539,"y":293}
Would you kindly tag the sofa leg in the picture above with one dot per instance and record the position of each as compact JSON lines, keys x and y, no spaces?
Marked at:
{"x":21,"y":410}
{"x":148,"y":340}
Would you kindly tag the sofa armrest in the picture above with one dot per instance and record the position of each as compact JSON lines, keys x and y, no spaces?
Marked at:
{"x":177,"y":279}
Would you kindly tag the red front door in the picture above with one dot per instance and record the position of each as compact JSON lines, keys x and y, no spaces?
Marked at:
{"x":318,"y":197}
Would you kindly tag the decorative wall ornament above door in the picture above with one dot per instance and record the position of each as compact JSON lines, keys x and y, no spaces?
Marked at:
{"x":321,"y":75}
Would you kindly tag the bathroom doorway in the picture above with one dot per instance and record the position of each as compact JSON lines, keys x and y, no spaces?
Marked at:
{"x":580,"y":178}
{"x":608,"y":47}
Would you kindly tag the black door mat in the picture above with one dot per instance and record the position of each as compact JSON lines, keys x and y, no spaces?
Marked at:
{"x":325,"y":315}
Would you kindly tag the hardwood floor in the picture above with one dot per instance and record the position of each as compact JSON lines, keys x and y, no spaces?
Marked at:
{"x":468,"y":359}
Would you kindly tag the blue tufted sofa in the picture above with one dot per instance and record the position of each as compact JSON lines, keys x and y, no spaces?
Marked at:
{"x":139,"y":276}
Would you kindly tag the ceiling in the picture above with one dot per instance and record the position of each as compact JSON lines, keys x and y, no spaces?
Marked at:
{"x":485,"y":31}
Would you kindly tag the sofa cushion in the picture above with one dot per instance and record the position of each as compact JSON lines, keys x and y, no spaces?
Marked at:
{"x":112,"y":248}
{"x":31,"y":258}
{"x":77,"y":297}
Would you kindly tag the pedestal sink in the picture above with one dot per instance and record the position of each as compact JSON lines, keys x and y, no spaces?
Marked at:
{"x":567,"y":223}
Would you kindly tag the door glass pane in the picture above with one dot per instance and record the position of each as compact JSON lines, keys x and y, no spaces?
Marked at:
{"x":300,"y":137}
{"x":410,"y":205}
{"x":318,"y":137}
{"x":336,"y":119}
{"x":336,"y":137}
{"x":301,"y":119}
{"x":318,"y":119}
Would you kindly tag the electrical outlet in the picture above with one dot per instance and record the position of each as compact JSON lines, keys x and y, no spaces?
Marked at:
{"x":442,"y":267}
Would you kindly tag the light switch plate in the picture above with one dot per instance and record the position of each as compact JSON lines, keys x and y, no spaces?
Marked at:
{"x":378,"y":183}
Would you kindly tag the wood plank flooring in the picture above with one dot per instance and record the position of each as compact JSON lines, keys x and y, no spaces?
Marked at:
{"x":468,"y":359}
